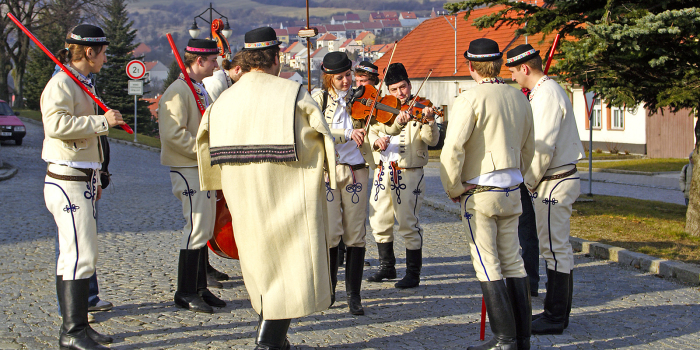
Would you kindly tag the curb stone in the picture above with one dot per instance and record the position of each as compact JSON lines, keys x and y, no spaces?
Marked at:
{"x":667,"y":268}
{"x":7,"y":171}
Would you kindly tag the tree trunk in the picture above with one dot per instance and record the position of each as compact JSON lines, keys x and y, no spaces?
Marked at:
{"x":692,"y":216}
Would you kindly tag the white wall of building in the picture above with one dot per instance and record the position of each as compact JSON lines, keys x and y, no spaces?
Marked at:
{"x":634,"y":131}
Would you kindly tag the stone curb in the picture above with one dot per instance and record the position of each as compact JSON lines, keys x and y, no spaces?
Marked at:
{"x":667,"y":268}
{"x":619,"y":171}
{"x":7,"y":171}
{"x":123,"y":142}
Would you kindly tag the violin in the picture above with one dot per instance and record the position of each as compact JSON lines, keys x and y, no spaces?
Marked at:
{"x":387,"y":108}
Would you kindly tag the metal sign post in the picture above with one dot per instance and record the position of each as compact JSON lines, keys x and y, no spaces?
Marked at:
{"x":136,"y":89}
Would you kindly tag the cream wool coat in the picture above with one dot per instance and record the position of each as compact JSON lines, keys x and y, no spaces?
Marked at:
{"x":557,"y":142}
{"x":216,"y":84}
{"x":178,"y":122}
{"x":339,"y":134}
{"x":414,"y":142}
{"x":481,"y":119}
{"x":278,"y":209}
{"x":71,"y":123}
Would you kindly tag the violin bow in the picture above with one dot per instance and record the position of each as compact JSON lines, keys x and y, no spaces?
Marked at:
{"x":415,"y":98}
{"x":381,"y":83}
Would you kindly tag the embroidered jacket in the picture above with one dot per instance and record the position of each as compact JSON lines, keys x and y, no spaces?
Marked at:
{"x":339,"y":134}
{"x":490,"y":129}
{"x":178,"y":121}
{"x":71,"y":122}
{"x":413,"y":143}
{"x":557,"y":141}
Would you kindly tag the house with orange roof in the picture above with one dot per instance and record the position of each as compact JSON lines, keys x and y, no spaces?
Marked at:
{"x":141,"y":50}
{"x":354,"y":29}
{"x":290,"y":51}
{"x":317,"y":57}
{"x":408,"y":19}
{"x":350,"y":46}
{"x":338,"y":30}
{"x":382,"y":15}
{"x":293,"y":76}
{"x":153,"y":105}
{"x":375,"y":27}
{"x":365,"y":38}
{"x":391,"y":27}
{"x":328,"y":40}
{"x":613,"y":129}
{"x":156,"y":70}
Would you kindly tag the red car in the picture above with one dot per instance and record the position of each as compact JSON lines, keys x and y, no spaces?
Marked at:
{"x":11,"y":128}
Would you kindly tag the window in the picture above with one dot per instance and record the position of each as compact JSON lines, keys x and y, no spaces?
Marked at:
{"x":597,"y":116}
{"x":618,"y":118}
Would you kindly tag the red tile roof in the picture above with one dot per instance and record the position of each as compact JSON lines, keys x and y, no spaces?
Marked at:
{"x":347,"y":42}
{"x":286,"y":75}
{"x":408,"y":15}
{"x":281,"y":32}
{"x":362,"y":35}
{"x":293,"y":30}
{"x":153,"y":105}
{"x":150,"y":65}
{"x":354,"y":26}
{"x":290,"y":47}
{"x":373,"y":25}
{"x":439,"y":55}
{"x":352,"y":17}
{"x":391,"y":23}
{"x":328,"y":36}
{"x":142,"y":49}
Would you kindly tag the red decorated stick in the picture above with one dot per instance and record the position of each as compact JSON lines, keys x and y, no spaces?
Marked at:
{"x":184,"y":72}
{"x":482,"y":332}
{"x":38,"y":43}
{"x":551,"y":53}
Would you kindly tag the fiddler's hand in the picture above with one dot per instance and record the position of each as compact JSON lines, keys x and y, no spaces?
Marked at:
{"x":358,"y":135}
{"x":382,"y":143}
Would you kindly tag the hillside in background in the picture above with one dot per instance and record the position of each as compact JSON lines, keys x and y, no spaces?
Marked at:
{"x":155,"y":18}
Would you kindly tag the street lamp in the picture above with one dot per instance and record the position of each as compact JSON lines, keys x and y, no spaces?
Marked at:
{"x":194,"y":29}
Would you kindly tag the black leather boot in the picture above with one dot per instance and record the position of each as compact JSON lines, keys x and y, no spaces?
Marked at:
{"x":202,"y":290}
{"x":387,"y":263}
{"x":501,"y":317}
{"x":555,"y":304}
{"x":216,"y":274}
{"x":519,"y":294}
{"x":333,"y":261}
{"x":353,"y":278}
{"x":187,"y":271}
{"x":272,"y":335}
{"x":341,"y":253}
{"x":414,"y":262}
{"x":571,"y":297}
{"x":75,"y":332}
{"x":100,"y":338}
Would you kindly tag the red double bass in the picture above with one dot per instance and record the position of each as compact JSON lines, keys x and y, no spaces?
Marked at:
{"x":222,"y":243}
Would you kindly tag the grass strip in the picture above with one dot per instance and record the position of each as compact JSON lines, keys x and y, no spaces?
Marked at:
{"x":649,"y":227}
{"x":647,"y":165}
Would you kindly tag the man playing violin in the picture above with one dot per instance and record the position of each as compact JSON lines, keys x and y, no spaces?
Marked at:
{"x":179,"y":119}
{"x":488,"y":147}
{"x":398,"y":186}
{"x":347,"y":204}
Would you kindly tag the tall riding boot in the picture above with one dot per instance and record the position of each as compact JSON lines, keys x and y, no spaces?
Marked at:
{"x":333,"y":261}
{"x":211,"y":273}
{"x":341,"y":252}
{"x":353,"y":278}
{"x":519,"y":293}
{"x":202,"y":290}
{"x":555,"y":304}
{"x":187,"y":270}
{"x":272,"y":335}
{"x":216,"y":274}
{"x":387,"y":263}
{"x":501,"y":317}
{"x":414,"y":262}
{"x":74,"y":306}
{"x":571,"y":297}
{"x":100,"y":338}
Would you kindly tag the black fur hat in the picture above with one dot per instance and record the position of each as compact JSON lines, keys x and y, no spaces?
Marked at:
{"x":395,"y":74}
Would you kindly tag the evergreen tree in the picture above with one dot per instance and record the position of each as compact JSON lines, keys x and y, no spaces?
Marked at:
{"x":112,"y":80}
{"x":173,"y":72}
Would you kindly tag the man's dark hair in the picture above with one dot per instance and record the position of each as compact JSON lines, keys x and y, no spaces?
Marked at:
{"x":260,"y":59}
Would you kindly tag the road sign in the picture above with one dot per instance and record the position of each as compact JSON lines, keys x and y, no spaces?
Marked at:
{"x":135,"y":69}
{"x":135,"y":87}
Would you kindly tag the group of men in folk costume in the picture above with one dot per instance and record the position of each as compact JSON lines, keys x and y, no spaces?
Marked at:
{"x":295,"y":189}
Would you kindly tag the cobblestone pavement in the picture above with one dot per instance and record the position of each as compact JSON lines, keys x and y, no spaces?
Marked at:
{"x":614,"y":307}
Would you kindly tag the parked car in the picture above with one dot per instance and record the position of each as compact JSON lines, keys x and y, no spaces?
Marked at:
{"x":11,"y":128}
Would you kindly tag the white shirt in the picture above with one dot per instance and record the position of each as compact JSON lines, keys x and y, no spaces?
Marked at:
{"x":500,"y":178}
{"x":77,"y":165}
{"x":347,"y":153}
{"x":391,"y":153}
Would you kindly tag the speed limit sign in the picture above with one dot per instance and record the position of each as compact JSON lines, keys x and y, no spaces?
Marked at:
{"x":135,"y":69}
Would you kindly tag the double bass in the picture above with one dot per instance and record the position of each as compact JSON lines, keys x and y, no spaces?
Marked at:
{"x":222,"y":243}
